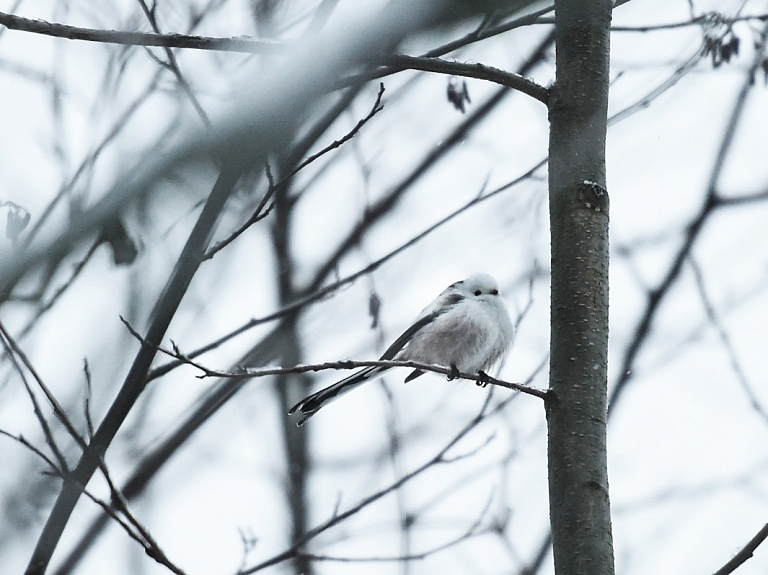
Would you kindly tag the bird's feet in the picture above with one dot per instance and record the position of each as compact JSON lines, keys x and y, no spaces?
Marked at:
{"x":455,"y":374}
{"x":484,"y":380}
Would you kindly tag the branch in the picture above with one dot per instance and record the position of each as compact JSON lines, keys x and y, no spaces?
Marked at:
{"x":725,"y":339}
{"x":13,"y":350}
{"x":710,"y":18}
{"x":262,"y":210}
{"x":471,"y":532}
{"x":479,"y":71}
{"x":745,"y":553}
{"x":133,"y":528}
{"x":338,"y":518}
{"x":481,"y":378}
{"x":135,"y":38}
{"x":58,"y":471}
{"x":173,"y":66}
{"x":134,"y":382}
{"x":240,"y":45}
{"x":483,"y":33}
{"x":711,"y":202}
{"x":246,"y":45}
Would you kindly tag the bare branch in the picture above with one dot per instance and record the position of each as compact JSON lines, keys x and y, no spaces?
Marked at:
{"x":484,"y":32}
{"x":46,"y":428}
{"x":709,"y":206}
{"x":239,"y":45}
{"x":339,"y":517}
{"x":173,"y":66}
{"x":132,"y":527}
{"x":709,"y":18}
{"x":134,"y":382}
{"x":58,"y":471}
{"x":726,"y":341}
{"x":142,"y":534}
{"x":745,"y":553}
{"x":479,"y":71}
{"x":14,"y":351}
{"x":677,"y":75}
{"x":471,"y":532}
{"x":135,"y":38}
{"x":482,"y":379}
{"x":149,"y":544}
{"x":262,"y":210}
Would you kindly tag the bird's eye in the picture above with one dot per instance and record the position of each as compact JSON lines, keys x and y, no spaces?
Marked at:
{"x":494,"y":292}
{"x":478,"y":292}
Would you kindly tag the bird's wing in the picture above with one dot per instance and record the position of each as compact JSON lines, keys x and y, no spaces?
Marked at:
{"x":406,"y":336}
{"x":446,"y":302}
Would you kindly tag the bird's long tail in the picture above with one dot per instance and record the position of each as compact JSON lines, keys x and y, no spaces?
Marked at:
{"x":312,"y":404}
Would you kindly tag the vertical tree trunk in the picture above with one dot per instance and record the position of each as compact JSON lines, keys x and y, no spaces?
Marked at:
{"x":576,"y":412}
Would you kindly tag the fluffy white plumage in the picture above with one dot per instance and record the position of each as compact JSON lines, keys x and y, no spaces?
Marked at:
{"x":467,"y":327}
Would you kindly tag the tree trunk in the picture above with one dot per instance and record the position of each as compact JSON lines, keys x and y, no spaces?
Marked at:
{"x":576,"y":411}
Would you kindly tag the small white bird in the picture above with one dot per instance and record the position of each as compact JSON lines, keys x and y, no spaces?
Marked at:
{"x":466,"y":328}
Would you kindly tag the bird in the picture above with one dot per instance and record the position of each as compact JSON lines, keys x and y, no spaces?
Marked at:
{"x":467,"y":328}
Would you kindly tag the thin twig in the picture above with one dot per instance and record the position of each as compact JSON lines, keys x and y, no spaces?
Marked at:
{"x":133,"y":528}
{"x":14,"y":351}
{"x":714,"y":319}
{"x":173,"y":66}
{"x":485,"y":33}
{"x":262,"y":210}
{"x":744,"y":199}
{"x":144,"y":537}
{"x":704,"y":19}
{"x":77,"y":268}
{"x":87,"y":400}
{"x":471,"y":532}
{"x":57,"y":471}
{"x":47,"y":433}
{"x":365,"y":502}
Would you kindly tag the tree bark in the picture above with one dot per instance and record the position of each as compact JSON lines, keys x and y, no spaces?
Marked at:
{"x":576,"y":410}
